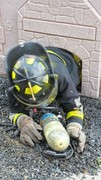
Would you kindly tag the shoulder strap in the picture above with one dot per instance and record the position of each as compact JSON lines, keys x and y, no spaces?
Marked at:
{"x":54,"y":53}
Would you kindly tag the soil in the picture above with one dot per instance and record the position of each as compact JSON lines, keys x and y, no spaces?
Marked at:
{"x":20,"y":162}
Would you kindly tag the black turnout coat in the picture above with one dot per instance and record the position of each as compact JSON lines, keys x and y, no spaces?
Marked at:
{"x":68,"y":67}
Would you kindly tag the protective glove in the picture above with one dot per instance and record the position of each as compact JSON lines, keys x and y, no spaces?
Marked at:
{"x":28,"y":130}
{"x":77,"y":133}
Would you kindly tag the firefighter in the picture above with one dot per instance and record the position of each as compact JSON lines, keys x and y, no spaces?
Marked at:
{"x":37,"y":77}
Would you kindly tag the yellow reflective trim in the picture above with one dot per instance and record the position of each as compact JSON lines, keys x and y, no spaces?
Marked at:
{"x":46,"y":78}
{"x":41,"y":65}
{"x":35,"y":89}
{"x":17,"y":87}
{"x":13,"y":75}
{"x":52,"y":52}
{"x":28,"y":91}
{"x":78,"y":114}
{"x":30,"y":60}
{"x":78,"y":62}
{"x":77,"y":59}
{"x":17,"y":65}
{"x":16,"y":117}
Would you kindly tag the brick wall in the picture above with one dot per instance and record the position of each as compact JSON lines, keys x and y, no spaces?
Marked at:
{"x":71,"y":24}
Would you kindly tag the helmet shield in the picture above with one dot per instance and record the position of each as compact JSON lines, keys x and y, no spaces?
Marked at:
{"x":29,"y":69}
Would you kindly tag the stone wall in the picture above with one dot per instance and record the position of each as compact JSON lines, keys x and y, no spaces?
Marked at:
{"x":71,"y":24}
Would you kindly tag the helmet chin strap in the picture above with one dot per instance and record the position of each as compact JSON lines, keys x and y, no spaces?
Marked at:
{"x":29,"y":84}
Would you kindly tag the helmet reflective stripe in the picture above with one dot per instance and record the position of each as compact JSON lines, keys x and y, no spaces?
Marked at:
{"x":13,"y":75}
{"x":41,"y":66}
{"x":17,"y":65}
{"x":30,"y":60}
{"x":46,"y":78}
{"x":35,"y":90}
{"x":17,"y":87}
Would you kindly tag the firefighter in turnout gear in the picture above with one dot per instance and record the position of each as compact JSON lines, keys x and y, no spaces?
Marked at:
{"x":37,"y":77}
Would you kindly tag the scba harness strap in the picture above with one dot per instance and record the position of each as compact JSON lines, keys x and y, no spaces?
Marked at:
{"x":75,"y":57}
{"x":54,"y":53}
{"x":70,"y":60}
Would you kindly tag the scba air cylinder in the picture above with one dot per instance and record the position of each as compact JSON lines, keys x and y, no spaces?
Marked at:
{"x":54,"y":132}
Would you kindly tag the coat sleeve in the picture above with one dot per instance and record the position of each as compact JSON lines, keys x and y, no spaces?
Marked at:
{"x":69,"y":98}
